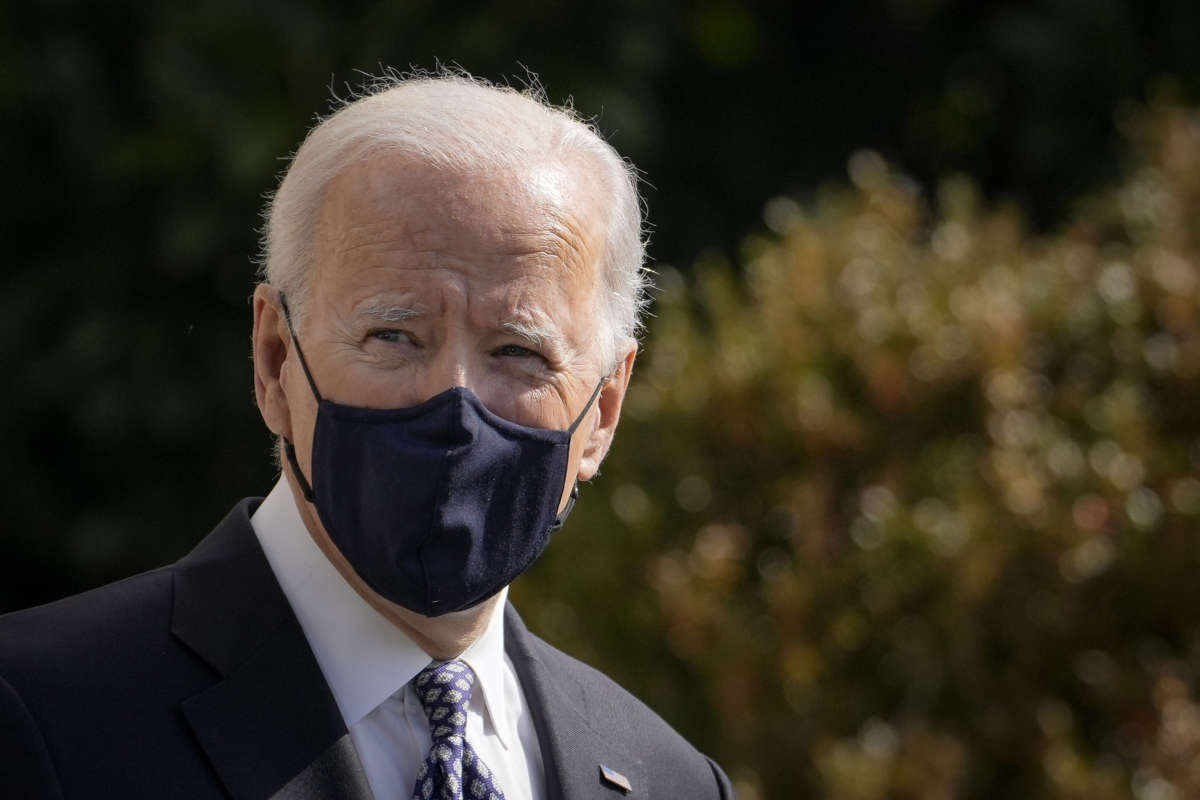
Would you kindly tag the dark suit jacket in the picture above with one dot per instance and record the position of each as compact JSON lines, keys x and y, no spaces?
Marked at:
{"x":195,"y":680}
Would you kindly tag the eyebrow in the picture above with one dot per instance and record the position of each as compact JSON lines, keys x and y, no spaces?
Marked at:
{"x":539,"y":335}
{"x":392,"y":313}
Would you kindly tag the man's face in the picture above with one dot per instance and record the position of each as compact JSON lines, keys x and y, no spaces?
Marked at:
{"x":428,"y":280}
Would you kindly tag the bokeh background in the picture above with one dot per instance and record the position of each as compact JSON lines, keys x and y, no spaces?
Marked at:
{"x":906,"y":498}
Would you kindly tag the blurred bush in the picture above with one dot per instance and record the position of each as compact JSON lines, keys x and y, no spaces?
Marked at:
{"x":906,"y":506}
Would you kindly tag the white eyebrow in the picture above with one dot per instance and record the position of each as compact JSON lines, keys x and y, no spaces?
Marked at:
{"x":539,"y":335}
{"x":392,"y":313}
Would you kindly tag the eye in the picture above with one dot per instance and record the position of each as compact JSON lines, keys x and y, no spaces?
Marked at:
{"x":515,"y":351}
{"x":391,"y":335}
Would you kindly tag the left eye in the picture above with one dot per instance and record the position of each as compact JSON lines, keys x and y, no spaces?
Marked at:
{"x":515,"y":351}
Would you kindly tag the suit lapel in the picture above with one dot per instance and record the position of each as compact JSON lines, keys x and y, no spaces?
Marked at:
{"x":573,"y":752}
{"x":270,"y":726}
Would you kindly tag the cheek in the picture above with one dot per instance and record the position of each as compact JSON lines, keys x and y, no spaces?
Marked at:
{"x":545,"y":406}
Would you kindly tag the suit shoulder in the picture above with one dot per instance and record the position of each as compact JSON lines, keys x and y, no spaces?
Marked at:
{"x":617,"y":715}
{"x":77,"y":632}
{"x":596,"y":688}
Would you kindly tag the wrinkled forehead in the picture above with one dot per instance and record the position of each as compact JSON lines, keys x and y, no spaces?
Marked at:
{"x":545,"y":214}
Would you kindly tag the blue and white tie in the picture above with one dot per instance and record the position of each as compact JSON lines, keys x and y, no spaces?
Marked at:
{"x":452,"y":770}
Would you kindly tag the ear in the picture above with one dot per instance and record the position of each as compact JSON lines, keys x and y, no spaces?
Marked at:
{"x":271,"y":345}
{"x":608,"y":413}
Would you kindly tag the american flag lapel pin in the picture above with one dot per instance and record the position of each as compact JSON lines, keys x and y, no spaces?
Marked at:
{"x":615,"y":779}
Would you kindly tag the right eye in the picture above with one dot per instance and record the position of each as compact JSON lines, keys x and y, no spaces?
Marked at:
{"x":391,"y":335}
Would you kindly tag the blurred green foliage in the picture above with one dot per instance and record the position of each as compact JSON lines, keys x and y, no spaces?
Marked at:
{"x":905,"y":504}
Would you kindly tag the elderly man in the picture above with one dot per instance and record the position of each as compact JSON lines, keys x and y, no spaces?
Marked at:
{"x":442,"y":343}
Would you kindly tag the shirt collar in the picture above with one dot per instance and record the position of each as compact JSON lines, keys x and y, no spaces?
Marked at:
{"x":485,"y":656}
{"x":365,"y":658}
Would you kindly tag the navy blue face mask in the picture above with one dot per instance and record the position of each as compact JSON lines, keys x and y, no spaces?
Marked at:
{"x":440,"y":505}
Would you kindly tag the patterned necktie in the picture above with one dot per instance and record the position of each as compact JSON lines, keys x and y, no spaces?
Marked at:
{"x":452,"y":770}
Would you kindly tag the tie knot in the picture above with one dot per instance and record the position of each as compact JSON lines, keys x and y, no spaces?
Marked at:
{"x":444,"y":689}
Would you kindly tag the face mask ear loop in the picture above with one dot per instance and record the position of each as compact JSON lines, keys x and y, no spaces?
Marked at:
{"x":289,"y":449}
{"x":566,"y":512}
{"x":287,"y":315}
{"x":588,"y":406}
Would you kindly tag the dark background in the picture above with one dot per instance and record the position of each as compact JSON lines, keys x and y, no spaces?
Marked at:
{"x":139,"y":140}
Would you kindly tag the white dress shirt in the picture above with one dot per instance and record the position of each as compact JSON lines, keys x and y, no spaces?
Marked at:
{"x":368,"y":663}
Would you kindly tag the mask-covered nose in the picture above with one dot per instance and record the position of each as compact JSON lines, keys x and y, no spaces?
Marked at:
{"x":445,"y":421}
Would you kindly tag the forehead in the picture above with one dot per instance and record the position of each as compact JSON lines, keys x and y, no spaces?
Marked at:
{"x":534,"y":228}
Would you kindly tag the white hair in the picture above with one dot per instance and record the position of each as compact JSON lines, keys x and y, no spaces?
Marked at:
{"x":455,"y":121}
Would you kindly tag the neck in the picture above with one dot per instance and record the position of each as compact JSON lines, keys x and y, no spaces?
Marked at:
{"x":443,"y":637}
